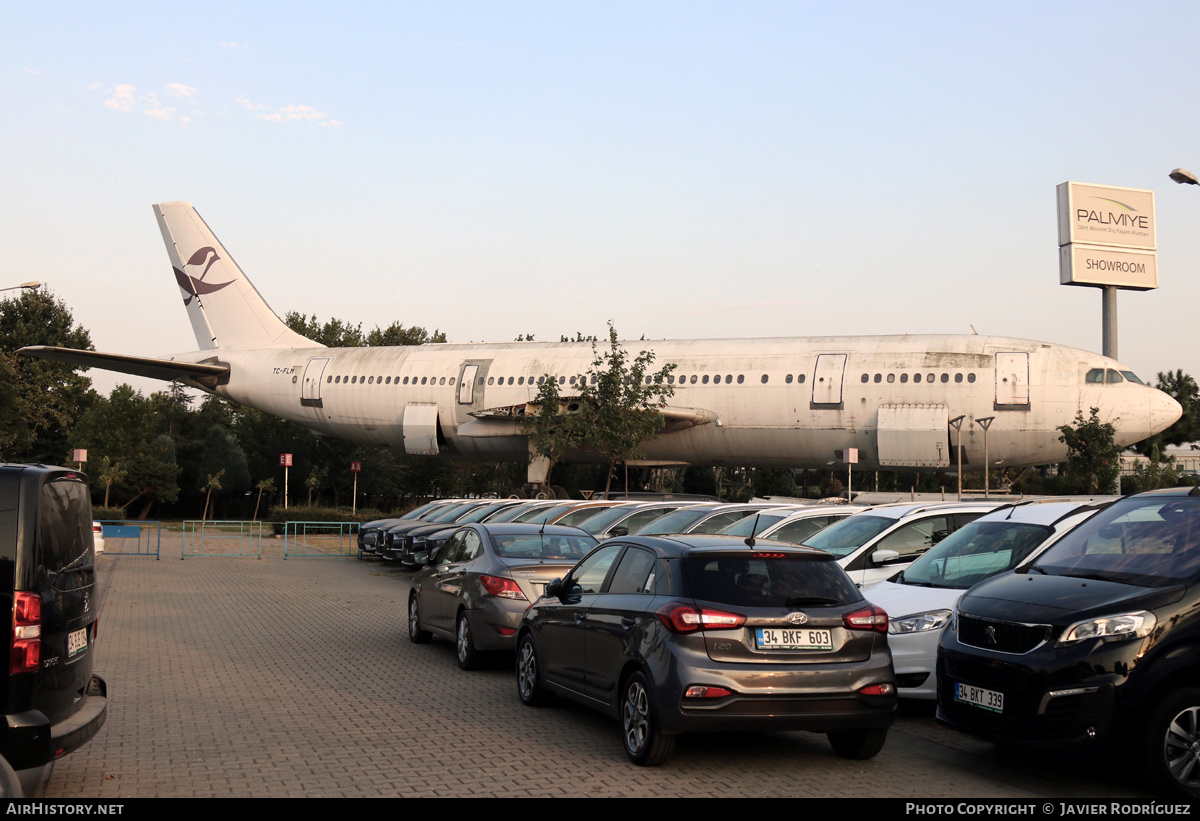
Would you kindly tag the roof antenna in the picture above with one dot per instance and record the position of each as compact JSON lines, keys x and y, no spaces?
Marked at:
{"x":753,"y":530}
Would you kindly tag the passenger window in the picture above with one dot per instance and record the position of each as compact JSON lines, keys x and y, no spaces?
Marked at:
{"x":765,"y":378}
{"x":866,"y":378}
{"x":705,"y":379}
{"x":958,"y":377}
{"x":742,"y":378}
{"x":878,"y":378}
{"x":945,"y":377}
{"x":800,"y":378}
{"x":787,"y":379}
{"x":634,"y":573}
{"x":692,"y":380}
{"x":903,"y":378}
{"x":590,"y":574}
{"x":914,"y":539}
{"x":970,"y":377}
{"x":891,"y":377}
{"x":916,"y":377}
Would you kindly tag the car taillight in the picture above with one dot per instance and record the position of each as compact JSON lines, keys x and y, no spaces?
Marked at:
{"x":504,"y":588}
{"x":685,"y":618}
{"x":878,"y":690}
{"x":26,"y":653}
{"x":870,"y":618}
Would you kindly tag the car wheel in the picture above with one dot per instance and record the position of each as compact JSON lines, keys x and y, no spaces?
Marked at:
{"x":858,"y":744}
{"x":468,"y":657}
{"x":415,"y":634}
{"x":529,"y":676}
{"x":645,"y":744}
{"x":1172,"y":744}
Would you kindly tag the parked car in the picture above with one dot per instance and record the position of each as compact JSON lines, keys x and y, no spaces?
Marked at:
{"x":703,"y":633}
{"x":700,"y":518}
{"x":622,"y":520}
{"x":98,"y":537}
{"x":53,"y":702}
{"x":920,"y":599}
{"x":792,"y":524}
{"x":882,"y":540}
{"x":1097,"y":639}
{"x":479,"y":582}
{"x":370,"y":534}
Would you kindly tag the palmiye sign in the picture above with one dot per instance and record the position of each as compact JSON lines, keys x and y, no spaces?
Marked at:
{"x":1107,"y":236}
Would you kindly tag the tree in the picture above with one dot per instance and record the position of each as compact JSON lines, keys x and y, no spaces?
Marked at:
{"x":40,"y":400}
{"x":1093,"y":456}
{"x":110,"y":473}
{"x":213,"y":483}
{"x":1157,"y":472}
{"x":617,"y":409}
{"x":122,"y":427}
{"x":1183,"y":389}
{"x":265,"y":484}
{"x":339,"y":334}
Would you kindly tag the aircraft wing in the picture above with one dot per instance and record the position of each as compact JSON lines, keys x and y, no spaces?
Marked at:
{"x":204,"y":376}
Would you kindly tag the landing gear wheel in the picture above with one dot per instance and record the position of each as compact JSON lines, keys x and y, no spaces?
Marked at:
{"x":468,"y":657}
{"x":560,"y":492}
{"x":415,"y":634}
{"x":541,"y":492}
{"x":645,"y":744}
{"x":1172,"y":743}
{"x":517,"y":493}
{"x":857,"y":744}
{"x":529,"y":675}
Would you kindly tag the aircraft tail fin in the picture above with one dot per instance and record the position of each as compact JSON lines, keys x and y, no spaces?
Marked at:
{"x":225,"y":309}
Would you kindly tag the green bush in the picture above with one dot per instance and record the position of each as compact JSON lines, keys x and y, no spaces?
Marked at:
{"x":304,"y":513}
{"x":108,"y":514}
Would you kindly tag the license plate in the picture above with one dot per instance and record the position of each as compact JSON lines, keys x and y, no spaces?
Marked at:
{"x":770,"y":638}
{"x":987,"y":699}
{"x":76,"y":642}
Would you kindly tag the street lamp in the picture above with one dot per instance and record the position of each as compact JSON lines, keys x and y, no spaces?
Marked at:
{"x":32,"y":286}
{"x":1184,"y":177}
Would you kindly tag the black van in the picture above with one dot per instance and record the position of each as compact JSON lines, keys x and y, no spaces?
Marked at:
{"x":1097,"y":639}
{"x":53,"y":704}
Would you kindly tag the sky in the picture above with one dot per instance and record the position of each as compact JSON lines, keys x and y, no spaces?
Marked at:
{"x":683,"y":169}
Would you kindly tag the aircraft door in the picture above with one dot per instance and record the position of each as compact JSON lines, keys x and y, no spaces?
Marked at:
{"x":420,"y":428}
{"x":913,"y":436}
{"x":466,"y":384}
{"x":827,"y":380}
{"x":1012,"y":381}
{"x":310,"y":389}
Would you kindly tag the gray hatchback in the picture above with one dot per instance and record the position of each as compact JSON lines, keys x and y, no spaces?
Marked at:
{"x":704,"y":633}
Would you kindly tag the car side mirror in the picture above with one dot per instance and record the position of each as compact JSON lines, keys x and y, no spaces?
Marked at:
{"x":421,"y":559}
{"x":618,"y":531}
{"x":884,"y":556}
{"x":554,"y":588}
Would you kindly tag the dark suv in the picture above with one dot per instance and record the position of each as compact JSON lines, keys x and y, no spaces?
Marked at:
{"x":704,"y":633}
{"x":1096,"y":639}
{"x":53,"y":703}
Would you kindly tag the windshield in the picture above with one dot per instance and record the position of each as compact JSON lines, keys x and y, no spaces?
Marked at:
{"x":1149,"y":541}
{"x":753,"y":525}
{"x":975,"y":552}
{"x":676,"y":522}
{"x":600,"y":522}
{"x":848,"y":535}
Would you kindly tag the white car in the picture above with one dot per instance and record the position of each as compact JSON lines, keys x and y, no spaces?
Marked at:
{"x":98,"y":536}
{"x":920,"y":600}
{"x":878,"y":542}
{"x":793,"y":525}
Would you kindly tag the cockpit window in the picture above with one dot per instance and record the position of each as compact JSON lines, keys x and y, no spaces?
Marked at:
{"x":1132,"y":377}
{"x":1113,"y":377}
{"x":1095,"y":376}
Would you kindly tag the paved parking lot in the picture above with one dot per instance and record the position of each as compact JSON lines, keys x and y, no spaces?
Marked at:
{"x":273,"y":677}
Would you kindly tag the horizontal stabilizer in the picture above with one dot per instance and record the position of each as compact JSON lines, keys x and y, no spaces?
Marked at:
{"x":197,"y":375}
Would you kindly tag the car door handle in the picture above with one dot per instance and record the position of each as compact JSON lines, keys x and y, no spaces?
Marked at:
{"x":580,"y":618}
{"x":628,"y":622}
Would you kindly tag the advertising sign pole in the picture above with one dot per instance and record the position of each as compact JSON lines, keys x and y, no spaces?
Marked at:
{"x":285,"y":460}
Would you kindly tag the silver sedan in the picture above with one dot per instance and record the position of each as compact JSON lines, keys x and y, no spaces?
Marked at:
{"x":476,"y":586}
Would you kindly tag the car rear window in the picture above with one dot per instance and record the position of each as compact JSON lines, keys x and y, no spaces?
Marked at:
{"x":64,"y":526}
{"x":765,"y":580}
{"x":536,"y":546}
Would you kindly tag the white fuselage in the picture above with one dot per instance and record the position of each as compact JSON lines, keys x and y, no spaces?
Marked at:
{"x":795,"y":403}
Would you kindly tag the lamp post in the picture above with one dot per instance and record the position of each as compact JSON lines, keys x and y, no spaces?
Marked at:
{"x":1184,"y":177}
{"x":31,"y":286}
{"x":985,"y":423}
{"x":956,"y":423}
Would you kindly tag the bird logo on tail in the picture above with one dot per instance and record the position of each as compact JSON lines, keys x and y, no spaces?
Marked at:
{"x":195,"y":286}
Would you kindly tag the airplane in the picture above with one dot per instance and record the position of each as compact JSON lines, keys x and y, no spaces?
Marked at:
{"x":774,"y":402}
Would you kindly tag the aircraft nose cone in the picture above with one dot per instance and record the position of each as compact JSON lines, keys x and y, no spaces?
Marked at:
{"x":1164,"y":412}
